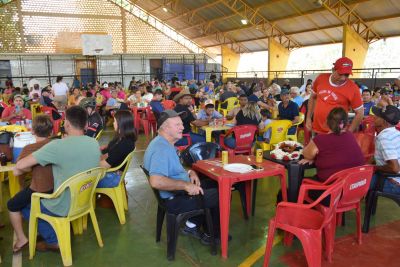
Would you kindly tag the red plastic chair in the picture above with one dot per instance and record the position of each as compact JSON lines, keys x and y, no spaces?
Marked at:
{"x":356,"y":184}
{"x":138,"y":116}
{"x":305,"y":223}
{"x":181,"y":148}
{"x":149,"y":122}
{"x":368,"y":125}
{"x":168,"y":104}
{"x":244,"y":136}
{"x":56,"y":123}
{"x":367,"y":144}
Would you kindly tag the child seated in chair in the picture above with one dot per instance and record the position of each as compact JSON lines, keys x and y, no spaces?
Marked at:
{"x":266,"y":119}
{"x":118,"y":149}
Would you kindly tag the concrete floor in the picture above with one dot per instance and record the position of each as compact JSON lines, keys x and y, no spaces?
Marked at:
{"x":133,"y":244}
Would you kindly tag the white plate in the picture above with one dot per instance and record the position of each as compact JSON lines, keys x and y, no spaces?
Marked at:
{"x":238,"y":167}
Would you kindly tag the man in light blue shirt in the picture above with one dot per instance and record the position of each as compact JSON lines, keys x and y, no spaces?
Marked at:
{"x":169,"y":177}
{"x":209,"y":113}
{"x":295,"y":95}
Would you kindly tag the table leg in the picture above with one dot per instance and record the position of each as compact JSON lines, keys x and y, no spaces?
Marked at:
{"x":208,"y":135}
{"x":248,"y":196}
{"x":282,"y":176}
{"x":13,"y":184}
{"x":294,"y":181}
{"x":224,"y":213}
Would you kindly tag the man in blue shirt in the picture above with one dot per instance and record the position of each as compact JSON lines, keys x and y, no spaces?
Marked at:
{"x":367,"y":101}
{"x":288,"y":110}
{"x":209,"y":113}
{"x":155,"y":103}
{"x":295,"y":95}
{"x":168,"y":175}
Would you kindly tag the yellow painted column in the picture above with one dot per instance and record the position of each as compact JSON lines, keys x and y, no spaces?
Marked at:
{"x":230,"y":60}
{"x":278,"y":57}
{"x":355,"y":48}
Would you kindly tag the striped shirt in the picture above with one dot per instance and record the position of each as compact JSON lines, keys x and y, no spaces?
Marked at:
{"x":387,"y":147}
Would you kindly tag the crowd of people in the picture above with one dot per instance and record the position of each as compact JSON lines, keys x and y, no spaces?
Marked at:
{"x":180,"y":107}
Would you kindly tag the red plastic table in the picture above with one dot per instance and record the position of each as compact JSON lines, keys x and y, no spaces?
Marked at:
{"x":226,"y":179}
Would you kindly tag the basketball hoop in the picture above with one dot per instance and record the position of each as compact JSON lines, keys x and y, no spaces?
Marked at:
{"x":98,"y":50}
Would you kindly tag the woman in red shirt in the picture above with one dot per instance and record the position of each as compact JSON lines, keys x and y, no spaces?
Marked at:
{"x":335,"y":151}
{"x":17,"y":112}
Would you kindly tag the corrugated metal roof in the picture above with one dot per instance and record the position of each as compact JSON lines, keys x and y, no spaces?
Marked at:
{"x":303,"y":22}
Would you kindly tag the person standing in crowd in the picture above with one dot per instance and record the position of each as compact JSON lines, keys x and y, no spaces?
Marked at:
{"x":332,"y":90}
{"x":60,"y":92}
{"x":32,"y":82}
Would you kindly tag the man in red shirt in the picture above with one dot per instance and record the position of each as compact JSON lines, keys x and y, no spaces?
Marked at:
{"x":334,"y":90}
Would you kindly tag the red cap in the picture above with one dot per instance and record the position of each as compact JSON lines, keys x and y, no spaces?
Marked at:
{"x":343,"y":65}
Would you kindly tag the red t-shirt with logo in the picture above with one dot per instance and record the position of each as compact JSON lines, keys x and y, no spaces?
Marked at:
{"x":330,"y":96}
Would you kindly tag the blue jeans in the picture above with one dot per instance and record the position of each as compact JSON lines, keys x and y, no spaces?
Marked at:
{"x":44,"y":228}
{"x":230,"y":142}
{"x":111,"y":179}
{"x":388,"y":187}
{"x":196,"y":138}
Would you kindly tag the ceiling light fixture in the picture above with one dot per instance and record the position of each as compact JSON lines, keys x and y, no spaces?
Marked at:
{"x":244,"y":21}
{"x":165,"y":9}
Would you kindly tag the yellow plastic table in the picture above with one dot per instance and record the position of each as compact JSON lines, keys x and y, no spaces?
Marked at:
{"x":209,"y":129}
{"x":13,"y":182}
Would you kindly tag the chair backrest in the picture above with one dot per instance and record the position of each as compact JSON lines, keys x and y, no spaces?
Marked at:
{"x":199,"y":151}
{"x":368,"y":125}
{"x":366,"y":143}
{"x":98,"y":135}
{"x":150,"y":115}
{"x":168,"y":104}
{"x":244,"y":135}
{"x":155,"y":191}
{"x":82,"y":187}
{"x":231,"y":102}
{"x":356,"y":184}
{"x":125,"y":164}
{"x":279,"y":129}
{"x":334,"y":191}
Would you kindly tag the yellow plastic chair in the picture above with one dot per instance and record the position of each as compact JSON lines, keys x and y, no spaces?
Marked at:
{"x":279,"y":130}
{"x":82,"y":187}
{"x":118,"y":193}
{"x":231,"y":103}
{"x":293,"y":137}
{"x":36,"y":109}
{"x":99,"y":135}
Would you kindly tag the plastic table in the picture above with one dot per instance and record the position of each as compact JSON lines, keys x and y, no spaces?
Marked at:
{"x":295,"y":175}
{"x":210,"y":129}
{"x":214,"y":170}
